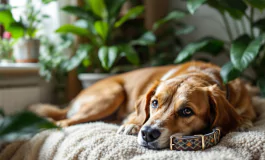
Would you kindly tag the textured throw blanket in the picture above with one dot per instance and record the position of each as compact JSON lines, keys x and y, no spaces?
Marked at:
{"x":99,"y":141}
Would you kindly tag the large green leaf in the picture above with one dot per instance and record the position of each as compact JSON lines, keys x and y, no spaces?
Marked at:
{"x":193,"y":5}
{"x":209,"y":45}
{"x":186,"y":29}
{"x":174,"y":15}
{"x":16,"y":29}
{"x":189,"y":50}
{"x":21,"y":124}
{"x":82,"y":52}
{"x":131,"y":55}
{"x":244,"y":51}
{"x":99,"y":8}
{"x":261,"y":85}
{"x":237,"y":49}
{"x":229,"y":72}
{"x":112,"y":55}
{"x":2,"y":113}
{"x":146,"y":39}
{"x":235,"y":4}
{"x":235,"y":8}
{"x":102,"y":28}
{"x":79,"y":12}
{"x":114,"y":8}
{"x":47,"y":1}
{"x":131,"y":14}
{"x":82,"y":23}
{"x":260,"y":4}
{"x":260,"y":24}
{"x":69,"y":28}
{"x":214,"y":46}
{"x":6,"y":17}
{"x":107,"y":56}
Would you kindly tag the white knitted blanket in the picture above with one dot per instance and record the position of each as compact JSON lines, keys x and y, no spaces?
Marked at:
{"x":99,"y":141}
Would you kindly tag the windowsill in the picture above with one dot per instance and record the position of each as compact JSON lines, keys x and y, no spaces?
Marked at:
{"x":19,"y":68}
{"x":19,"y":74}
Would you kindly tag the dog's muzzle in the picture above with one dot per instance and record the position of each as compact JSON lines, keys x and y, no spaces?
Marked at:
{"x":150,"y":134}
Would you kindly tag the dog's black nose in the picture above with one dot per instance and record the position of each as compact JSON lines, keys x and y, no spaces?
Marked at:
{"x":149,"y":134}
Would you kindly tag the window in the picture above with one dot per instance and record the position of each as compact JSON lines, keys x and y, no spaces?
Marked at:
{"x":48,"y":25}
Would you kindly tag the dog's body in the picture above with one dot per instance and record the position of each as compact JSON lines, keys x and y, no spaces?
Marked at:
{"x":161,"y":101}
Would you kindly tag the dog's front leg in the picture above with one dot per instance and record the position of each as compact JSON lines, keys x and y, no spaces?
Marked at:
{"x":131,"y":126}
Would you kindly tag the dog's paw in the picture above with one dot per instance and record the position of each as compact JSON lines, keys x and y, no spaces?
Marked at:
{"x":62,"y":123}
{"x":245,"y":126}
{"x":129,"y":129}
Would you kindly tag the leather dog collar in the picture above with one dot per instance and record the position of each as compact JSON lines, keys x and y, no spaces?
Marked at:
{"x":196,"y":142}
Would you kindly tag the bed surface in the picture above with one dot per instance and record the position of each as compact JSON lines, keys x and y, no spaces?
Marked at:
{"x":99,"y":140}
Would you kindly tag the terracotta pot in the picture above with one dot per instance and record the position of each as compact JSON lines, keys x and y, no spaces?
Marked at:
{"x":27,"y":51}
{"x":88,"y":79}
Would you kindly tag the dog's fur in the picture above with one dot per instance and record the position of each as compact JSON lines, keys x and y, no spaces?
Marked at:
{"x":194,"y":85}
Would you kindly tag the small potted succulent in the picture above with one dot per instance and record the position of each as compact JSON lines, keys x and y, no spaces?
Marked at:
{"x":6,"y":48}
{"x":27,"y":47}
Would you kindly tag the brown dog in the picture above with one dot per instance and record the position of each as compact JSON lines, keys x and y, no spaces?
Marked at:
{"x":184,"y":99}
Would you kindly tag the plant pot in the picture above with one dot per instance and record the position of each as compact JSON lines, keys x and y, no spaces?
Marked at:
{"x":6,"y":61}
{"x":27,"y":51}
{"x":88,"y":79}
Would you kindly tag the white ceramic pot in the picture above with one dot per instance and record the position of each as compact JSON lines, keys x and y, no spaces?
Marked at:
{"x":6,"y":61}
{"x":27,"y":51}
{"x":88,"y":79}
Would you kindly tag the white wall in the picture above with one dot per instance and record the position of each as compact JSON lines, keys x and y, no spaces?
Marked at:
{"x":209,"y":22}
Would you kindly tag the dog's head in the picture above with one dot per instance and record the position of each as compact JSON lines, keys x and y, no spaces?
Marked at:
{"x":180,"y":107}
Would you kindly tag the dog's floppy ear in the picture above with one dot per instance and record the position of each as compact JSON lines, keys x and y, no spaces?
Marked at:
{"x":224,"y":114}
{"x":142,"y":105}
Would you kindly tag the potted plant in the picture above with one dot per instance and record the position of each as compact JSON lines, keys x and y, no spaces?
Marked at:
{"x":98,"y":23}
{"x":246,"y":51}
{"x":6,"y":48}
{"x":27,"y":48}
{"x":55,"y":61}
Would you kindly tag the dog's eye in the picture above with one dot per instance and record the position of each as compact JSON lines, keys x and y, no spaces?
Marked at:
{"x":185,"y":112}
{"x":154,"y":104}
